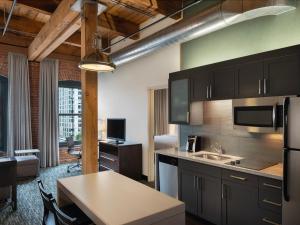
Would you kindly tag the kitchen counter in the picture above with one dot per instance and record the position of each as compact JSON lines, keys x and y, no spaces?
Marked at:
{"x":274,"y":172}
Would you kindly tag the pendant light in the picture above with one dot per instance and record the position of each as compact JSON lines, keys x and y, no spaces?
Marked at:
{"x":98,"y":61}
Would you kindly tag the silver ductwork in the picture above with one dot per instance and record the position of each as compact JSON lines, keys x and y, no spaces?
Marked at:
{"x":225,"y":14}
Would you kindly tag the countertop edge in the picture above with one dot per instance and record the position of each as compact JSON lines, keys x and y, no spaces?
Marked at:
{"x":220,"y":165}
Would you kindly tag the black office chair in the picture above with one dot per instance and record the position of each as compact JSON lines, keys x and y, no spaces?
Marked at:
{"x":74,"y":153}
{"x":8,"y":182}
{"x":61,"y":218}
{"x":49,"y":217}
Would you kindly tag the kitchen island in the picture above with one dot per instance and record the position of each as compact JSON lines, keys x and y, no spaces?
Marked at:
{"x":113,"y":199}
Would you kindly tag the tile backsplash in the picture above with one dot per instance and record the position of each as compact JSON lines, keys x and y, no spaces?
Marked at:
{"x":218,"y":127}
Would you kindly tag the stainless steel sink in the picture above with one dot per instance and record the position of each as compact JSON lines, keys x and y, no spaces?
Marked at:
{"x":212,"y":157}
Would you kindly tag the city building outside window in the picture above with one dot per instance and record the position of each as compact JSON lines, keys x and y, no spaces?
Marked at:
{"x":70,"y":122}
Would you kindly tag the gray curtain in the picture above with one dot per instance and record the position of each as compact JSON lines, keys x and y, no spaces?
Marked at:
{"x":19,"y":113}
{"x":48,"y":113}
{"x":161,"y":126}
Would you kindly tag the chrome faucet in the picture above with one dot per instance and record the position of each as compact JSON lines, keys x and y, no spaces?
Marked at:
{"x":217,"y":148}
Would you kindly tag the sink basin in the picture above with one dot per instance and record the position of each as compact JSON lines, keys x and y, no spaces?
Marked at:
{"x":212,"y":157}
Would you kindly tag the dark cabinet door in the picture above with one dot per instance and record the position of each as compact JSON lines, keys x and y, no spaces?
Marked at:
{"x":209,"y":199}
{"x":188,"y":191}
{"x":179,"y":102}
{"x":223,"y":85}
{"x":249,"y":79}
{"x":282,"y":75}
{"x":201,"y":84}
{"x":239,"y":204}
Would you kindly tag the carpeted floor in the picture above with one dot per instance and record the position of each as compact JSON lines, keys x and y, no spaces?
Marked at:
{"x":30,"y":205}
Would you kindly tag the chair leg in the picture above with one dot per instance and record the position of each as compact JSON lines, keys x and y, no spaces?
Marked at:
{"x":74,"y":166}
{"x":14,"y":197}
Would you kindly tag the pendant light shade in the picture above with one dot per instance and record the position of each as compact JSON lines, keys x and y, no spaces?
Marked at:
{"x":98,"y":62}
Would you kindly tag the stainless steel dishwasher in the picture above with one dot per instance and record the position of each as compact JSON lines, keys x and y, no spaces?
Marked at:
{"x":168,"y":175}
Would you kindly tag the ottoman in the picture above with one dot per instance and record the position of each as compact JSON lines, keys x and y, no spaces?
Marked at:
{"x":27,"y":166}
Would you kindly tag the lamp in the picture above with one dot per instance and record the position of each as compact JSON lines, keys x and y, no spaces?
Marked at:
{"x":98,"y":62}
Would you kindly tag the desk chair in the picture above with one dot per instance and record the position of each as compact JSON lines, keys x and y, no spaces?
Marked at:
{"x":49,"y":217}
{"x":74,"y":153}
{"x":8,"y":174}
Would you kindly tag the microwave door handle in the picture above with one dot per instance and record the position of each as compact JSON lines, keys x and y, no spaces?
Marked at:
{"x":285,"y":122}
{"x":274,"y":117}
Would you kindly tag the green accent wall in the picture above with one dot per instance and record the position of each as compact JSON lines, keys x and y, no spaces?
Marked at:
{"x":246,"y":38}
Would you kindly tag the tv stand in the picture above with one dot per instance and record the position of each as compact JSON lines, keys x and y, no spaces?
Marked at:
{"x":117,"y":142}
{"x":122,"y":157}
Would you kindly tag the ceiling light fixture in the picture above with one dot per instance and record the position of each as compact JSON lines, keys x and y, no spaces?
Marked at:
{"x":97,"y":61}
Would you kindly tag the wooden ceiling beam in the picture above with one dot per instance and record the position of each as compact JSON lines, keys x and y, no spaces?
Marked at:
{"x":62,"y":24}
{"x":119,"y":25}
{"x":30,"y":28}
{"x":165,"y":7}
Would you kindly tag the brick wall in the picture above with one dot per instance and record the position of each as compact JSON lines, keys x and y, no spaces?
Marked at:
{"x":68,"y":70}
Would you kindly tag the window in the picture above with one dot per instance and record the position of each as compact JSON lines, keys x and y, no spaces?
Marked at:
{"x":3,"y":115}
{"x":69,"y":111}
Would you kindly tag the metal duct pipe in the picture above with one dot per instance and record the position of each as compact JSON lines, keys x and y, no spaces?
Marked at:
{"x":225,"y":14}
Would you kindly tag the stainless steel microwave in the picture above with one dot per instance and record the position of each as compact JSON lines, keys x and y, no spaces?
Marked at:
{"x":258,"y":115}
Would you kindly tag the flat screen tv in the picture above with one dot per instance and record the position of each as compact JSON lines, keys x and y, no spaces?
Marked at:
{"x":116,"y":129}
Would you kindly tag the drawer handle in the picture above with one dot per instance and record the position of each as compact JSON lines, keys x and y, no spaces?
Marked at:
{"x":238,"y":178}
{"x":271,"y":186}
{"x":110,"y":159}
{"x":269,"y":221}
{"x":105,"y":167}
{"x":272,"y":203}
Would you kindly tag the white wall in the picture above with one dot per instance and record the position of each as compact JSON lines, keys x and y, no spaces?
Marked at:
{"x":124,"y":93}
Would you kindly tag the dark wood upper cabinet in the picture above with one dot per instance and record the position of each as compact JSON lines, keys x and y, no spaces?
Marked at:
{"x":179,"y":98}
{"x":282,"y":75}
{"x":201,"y":84}
{"x":224,"y":84}
{"x":249,"y":79}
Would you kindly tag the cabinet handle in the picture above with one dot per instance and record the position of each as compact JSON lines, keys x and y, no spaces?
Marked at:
{"x":259,"y":87}
{"x":110,"y":159}
{"x":105,"y":167}
{"x":223,"y":191}
{"x":271,"y":203}
{"x":187,"y":117}
{"x":272,"y":186}
{"x":207,"y":92}
{"x":265,"y":85}
{"x":269,"y":221}
{"x":238,"y":178}
{"x":210,"y":91}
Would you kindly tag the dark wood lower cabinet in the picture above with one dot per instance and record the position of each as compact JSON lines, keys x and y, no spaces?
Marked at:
{"x":188,"y":193}
{"x":239,"y":204}
{"x":201,"y":193}
{"x":209,"y":202}
{"x":226,"y":197}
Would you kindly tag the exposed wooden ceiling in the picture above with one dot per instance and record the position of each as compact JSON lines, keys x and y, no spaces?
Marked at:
{"x":122,"y":18}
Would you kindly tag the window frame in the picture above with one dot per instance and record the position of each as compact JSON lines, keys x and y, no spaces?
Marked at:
{"x":73,"y":85}
{"x":4,"y":92}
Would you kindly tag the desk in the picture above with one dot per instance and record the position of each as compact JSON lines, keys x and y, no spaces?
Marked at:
{"x":112,"y":199}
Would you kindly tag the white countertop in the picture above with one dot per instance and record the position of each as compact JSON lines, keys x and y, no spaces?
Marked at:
{"x":113,"y":199}
{"x":274,"y":172}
